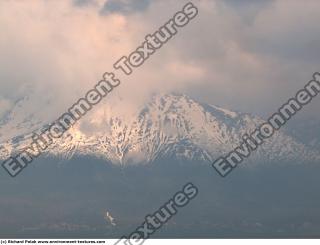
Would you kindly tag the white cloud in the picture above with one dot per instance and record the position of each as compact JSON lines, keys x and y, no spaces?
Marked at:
{"x":5,"y":105}
{"x":226,"y":56}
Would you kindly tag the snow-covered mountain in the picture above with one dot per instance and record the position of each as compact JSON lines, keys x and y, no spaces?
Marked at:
{"x":169,"y":125}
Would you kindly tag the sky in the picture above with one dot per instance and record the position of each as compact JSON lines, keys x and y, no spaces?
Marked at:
{"x":250,"y":56}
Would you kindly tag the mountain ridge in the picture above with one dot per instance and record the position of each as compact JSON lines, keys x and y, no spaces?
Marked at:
{"x":169,"y":125}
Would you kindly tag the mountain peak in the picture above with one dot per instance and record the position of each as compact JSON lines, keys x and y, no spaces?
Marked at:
{"x":170,"y":125}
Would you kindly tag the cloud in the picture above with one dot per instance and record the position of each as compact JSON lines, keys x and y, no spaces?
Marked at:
{"x":5,"y":105}
{"x":237,"y":54}
{"x":124,"y":6}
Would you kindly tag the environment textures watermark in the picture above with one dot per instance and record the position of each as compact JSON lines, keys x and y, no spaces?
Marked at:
{"x":155,"y":221}
{"x":40,"y":143}
{"x":250,"y":143}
